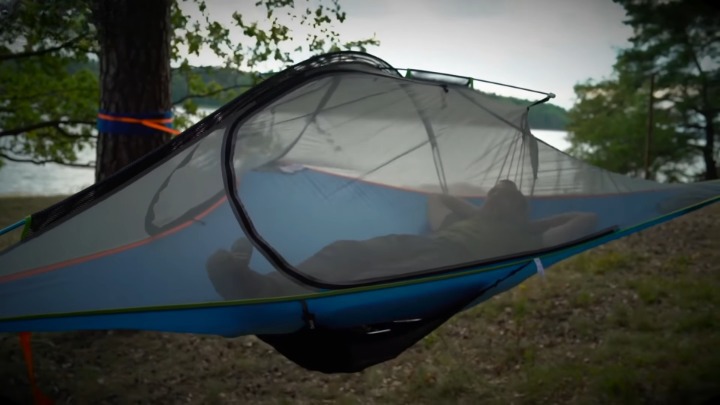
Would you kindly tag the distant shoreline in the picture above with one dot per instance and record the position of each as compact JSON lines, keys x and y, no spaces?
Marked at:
{"x":28,"y":180}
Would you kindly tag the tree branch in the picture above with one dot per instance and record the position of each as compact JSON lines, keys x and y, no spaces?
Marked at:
{"x":59,"y":92}
{"x":67,"y":134}
{"x":705,"y":111}
{"x":693,"y":55}
{"x":45,"y":124}
{"x":209,"y":94}
{"x":42,"y":162}
{"x":703,"y":76}
{"x":694,"y":126}
{"x":38,"y":52}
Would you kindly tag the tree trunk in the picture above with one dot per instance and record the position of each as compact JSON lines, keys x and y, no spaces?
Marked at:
{"x":134,"y":38}
{"x":711,"y":172}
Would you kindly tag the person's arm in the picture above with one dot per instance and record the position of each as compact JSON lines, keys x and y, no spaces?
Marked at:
{"x":565,"y":227}
{"x":459,"y":206}
{"x":542,"y":225}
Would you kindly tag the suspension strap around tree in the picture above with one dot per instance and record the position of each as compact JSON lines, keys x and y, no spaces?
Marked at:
{"x":142,"y":124}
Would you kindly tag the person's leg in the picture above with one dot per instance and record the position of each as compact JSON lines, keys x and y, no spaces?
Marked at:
{"x":341,"y":262}
{"x":385,"y":256}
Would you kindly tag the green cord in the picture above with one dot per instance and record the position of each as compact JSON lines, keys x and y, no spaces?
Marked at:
{"x":26,"y":228}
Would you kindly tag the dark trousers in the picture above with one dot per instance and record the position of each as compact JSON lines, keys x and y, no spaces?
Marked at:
{"x":381,"y":257}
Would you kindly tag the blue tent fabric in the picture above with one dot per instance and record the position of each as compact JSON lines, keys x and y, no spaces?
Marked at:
{"x":281,"y":221}
{"x":338,"y":148}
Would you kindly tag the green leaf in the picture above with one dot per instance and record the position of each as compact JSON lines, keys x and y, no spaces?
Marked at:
{"x":676,"y":43}
{"x":63,"y":86}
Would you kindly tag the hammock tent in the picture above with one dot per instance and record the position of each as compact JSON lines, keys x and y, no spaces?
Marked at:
{"x":304,"y":212}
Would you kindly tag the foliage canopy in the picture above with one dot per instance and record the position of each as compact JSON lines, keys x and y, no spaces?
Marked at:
{"x":49,"y":89}
{"x":677,"y":43}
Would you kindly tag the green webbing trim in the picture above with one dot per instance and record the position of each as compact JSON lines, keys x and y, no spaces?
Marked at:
{"x":331,"y":293}
{"x":26,"y":228}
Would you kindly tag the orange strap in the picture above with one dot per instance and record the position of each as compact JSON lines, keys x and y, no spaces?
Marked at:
{"x":38,"y":396}
{"x":155,"y":123}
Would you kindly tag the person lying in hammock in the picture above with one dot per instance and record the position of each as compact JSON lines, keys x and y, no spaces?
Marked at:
{"x":499,"y":228}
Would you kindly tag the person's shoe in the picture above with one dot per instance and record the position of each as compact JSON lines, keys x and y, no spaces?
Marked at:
{"x":230,"y":272}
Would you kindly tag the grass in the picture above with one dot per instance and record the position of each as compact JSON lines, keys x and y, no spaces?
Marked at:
{"x":634,"y":321}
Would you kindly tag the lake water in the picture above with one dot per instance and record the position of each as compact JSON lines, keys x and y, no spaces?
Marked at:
{"x":52,"y":179}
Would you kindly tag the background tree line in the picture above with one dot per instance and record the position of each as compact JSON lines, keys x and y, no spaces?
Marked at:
{"x":61,"y":60}
{"x":675,"y":50}
{"x":50,"y":93}
{"x":221,"y":84}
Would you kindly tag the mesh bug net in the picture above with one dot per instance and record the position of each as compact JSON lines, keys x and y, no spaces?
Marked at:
{"x":336,"y":173}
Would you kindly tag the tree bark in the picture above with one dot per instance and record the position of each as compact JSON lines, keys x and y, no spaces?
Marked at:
{"x":134,"y":38}
{"x":711,"y":172}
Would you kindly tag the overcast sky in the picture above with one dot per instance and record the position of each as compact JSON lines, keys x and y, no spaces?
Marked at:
{"x":547,"y":45}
